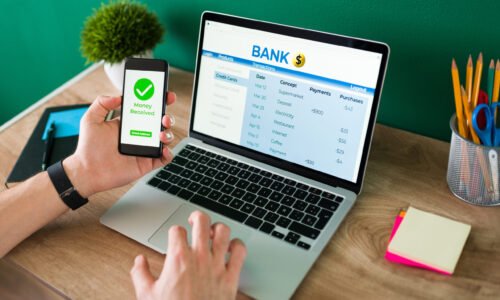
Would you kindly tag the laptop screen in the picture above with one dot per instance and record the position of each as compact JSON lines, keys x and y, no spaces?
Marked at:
{"x":303,"y":101}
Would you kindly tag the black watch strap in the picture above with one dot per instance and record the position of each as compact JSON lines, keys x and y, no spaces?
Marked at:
{"x":64,"y":187}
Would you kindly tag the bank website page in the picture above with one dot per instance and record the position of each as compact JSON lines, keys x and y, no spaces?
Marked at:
{"x":299,"y":100}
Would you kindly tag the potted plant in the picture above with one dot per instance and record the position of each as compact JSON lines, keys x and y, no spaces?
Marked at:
{"x":116,"y":31}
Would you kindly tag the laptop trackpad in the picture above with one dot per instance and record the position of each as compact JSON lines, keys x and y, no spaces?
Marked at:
{"x":180,"y":217}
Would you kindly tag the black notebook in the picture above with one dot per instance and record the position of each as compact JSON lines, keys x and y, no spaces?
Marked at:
{"x":29,"y":162}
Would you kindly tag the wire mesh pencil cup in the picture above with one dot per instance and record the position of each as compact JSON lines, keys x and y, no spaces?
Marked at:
{"x":473,"y":170}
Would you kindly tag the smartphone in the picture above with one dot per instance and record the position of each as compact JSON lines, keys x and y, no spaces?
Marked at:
{"x":143,"y":106}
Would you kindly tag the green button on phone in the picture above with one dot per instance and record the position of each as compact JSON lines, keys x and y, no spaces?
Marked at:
{"x":141,"y":133}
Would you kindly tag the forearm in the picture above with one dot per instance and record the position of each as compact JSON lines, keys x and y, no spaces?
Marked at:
{"x":95,"y":166}
{"x":26,"y":208}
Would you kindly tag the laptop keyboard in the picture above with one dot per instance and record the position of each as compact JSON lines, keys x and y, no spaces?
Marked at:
{"x":286,"y":209}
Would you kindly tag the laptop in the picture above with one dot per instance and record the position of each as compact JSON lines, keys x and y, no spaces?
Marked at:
{"x":280,"y":130}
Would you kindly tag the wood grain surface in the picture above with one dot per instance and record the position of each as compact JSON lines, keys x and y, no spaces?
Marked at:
{"x":17,"y":283}
{"x":86,"y":260}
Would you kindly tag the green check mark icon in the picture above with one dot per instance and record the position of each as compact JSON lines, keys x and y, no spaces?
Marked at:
{"x":144,"y":89}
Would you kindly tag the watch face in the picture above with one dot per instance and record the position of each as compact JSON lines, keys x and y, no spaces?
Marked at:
{"x":73,"y":199}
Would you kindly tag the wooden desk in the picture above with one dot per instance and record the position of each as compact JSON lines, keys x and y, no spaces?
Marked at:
{"x":85,"y":260}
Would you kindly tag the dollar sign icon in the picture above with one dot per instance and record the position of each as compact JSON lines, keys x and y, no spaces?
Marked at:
{"x":300,"y":60}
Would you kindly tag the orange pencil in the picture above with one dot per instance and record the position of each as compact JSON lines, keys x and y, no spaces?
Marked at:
{"x":477,"y":80}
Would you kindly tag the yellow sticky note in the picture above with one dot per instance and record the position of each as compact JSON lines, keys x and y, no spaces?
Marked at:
{"x":430,"y":239}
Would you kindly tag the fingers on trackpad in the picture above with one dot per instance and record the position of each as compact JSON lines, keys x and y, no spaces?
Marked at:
{"x":180,"y":217}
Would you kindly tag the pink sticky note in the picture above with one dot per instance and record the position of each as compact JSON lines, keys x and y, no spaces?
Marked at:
{"x":401,"y":260}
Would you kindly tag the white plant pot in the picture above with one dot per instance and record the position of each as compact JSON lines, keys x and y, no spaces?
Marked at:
{"x":115,"y":71}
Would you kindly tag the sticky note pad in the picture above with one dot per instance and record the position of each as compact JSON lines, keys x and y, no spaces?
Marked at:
{"x":429,"y":241}
{"x":401,"y":260}
{"x":67,"y":122}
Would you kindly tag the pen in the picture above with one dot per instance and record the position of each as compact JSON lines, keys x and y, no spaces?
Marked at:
{"x":49,"y":143}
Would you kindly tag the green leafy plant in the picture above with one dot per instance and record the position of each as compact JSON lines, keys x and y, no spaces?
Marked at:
{"x":118,"y":30}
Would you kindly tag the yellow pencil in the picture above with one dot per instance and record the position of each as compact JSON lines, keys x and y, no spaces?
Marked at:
{"x":458,"y":99}
{"x":465,"y":164}
{"x":468,"y":114}
{"x":468,"y":78}
{"x":496,"y":84}
{"x":477,"y":80}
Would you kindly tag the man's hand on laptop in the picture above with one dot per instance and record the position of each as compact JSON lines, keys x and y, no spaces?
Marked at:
{"x":96,"y":164}
{"x":196,"y":271}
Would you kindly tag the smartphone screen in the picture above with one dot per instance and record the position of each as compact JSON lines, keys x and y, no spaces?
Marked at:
{"x":144,"y":96}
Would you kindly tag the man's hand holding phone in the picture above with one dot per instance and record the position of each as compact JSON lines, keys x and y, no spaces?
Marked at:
{"x":144,"y":84}
{"x":96,"y":164}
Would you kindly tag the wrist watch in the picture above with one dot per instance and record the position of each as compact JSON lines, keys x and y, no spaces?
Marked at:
{"x":64,"y":187}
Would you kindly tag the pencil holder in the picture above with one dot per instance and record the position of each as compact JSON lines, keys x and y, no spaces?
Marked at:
{"x":473,"y":170}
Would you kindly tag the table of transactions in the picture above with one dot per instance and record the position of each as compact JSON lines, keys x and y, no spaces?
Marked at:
{"x":306,"y":123}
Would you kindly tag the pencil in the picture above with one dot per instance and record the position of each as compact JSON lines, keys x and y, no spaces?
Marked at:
{"x":477,"y":79}
{"x":491,"y":74}
{"x":465,"y":164}
{"x":458,"y":101}
{"x":465,"y":167}
{"x":468,"y":113}
{"x":468,"y":78}
{"x":496,"y":87}
{"x":496,"y":84}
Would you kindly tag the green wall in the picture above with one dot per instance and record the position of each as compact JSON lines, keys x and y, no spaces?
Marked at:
{"x":39,"y":49}
{"x":40,"y":45}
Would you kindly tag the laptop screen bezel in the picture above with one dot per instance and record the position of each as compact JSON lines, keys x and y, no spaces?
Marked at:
{"x":323,"y":37}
